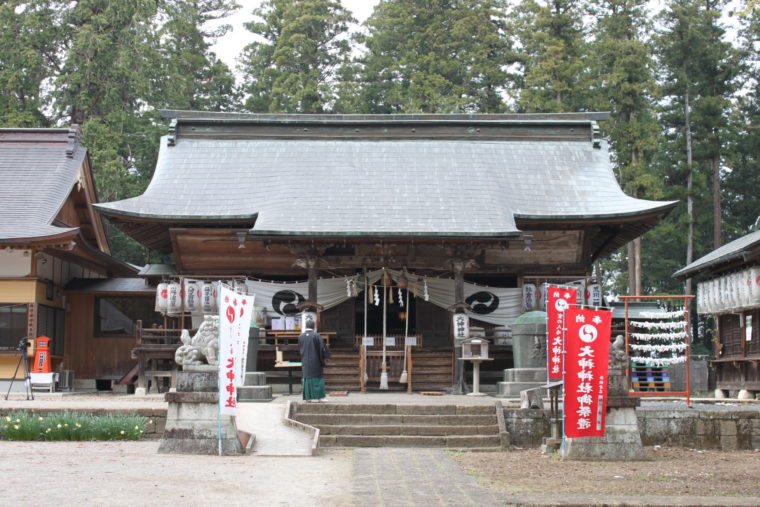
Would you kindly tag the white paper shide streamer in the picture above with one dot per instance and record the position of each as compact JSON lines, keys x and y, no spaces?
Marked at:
{"x":661,"y":341}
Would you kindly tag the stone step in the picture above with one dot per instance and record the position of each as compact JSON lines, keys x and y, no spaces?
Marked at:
{"x":254,"y":393}
{"x":255,"y":378}
{"x":378,"y":408}
{"x":409,"y":441}
{"x":395,"y":419}
{"x":409,"y":429}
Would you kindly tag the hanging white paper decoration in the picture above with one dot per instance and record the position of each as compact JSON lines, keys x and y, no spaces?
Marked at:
{"x":594,"y":294}
{"x":461,"y":326}
{"x":174,"y":304}
{"x":701,"y":303}
{"x":400,"y":298}
{"x":529,"y":297}
{"x":377,"y":296}
{"x":162,"y":297}
{"x":755,"y":283}
{"x":208,"y":297}
{"x":541,"y":297}
{"x":306,"y":316}
{"x":192,"y":296}
{"x":425,"y":294}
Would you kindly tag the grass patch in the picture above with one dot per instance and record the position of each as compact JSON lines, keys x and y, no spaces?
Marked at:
{"x":71,"y":426}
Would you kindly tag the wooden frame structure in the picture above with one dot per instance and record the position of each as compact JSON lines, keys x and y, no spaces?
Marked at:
{"x":685,"y":301}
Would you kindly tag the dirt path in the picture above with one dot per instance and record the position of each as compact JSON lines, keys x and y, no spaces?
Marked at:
{"x":132,"y":473}
{"x":671,"y":472}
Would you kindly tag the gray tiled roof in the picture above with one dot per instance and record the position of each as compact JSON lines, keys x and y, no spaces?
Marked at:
{"x":727,"y":252}
{"x":427,"y":187}
{"x":37,"y":177}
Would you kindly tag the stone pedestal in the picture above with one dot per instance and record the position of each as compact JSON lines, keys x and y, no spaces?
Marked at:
{"x":255,"y":388}
{"x":520,"y":379}
{"x":192,"y":424}
{"x":622,"y":439}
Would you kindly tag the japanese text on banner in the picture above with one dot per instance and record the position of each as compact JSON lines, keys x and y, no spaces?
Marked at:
{"x":587,"y":345}
{"x":558,"y":300}
{"x":235,"y":311}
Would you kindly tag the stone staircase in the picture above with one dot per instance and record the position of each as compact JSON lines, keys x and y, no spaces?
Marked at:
{"x":476,"y":427}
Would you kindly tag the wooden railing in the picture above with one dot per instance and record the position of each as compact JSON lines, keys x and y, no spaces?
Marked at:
{"x":371,"y":362}
{"x":154,"y":351}
{"x":157,"y":336}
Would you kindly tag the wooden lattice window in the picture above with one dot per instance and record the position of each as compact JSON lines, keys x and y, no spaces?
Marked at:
{"x":730,"y":336}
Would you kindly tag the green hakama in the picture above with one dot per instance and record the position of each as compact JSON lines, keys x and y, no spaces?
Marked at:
{"x":313,"y":388}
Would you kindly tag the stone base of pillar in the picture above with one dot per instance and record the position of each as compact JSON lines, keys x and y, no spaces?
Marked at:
{"x":744,"y":394}
{"x":621,"y":442}
{"x":192,"y":420}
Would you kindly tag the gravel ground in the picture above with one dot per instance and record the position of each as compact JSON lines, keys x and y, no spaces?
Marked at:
{"x":132,"y":473}
{"x":670,"y":472}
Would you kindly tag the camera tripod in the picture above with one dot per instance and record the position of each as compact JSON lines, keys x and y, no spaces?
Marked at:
{"x":22,"y":346}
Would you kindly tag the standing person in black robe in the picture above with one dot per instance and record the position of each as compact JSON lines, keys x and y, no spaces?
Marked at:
{"x":314,"y":352}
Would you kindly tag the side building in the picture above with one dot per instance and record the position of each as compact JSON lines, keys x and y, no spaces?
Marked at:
{"x":730,"y":293}
{"x":50,"y":236}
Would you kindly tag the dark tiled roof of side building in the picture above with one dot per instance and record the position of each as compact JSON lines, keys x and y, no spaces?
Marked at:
{"x":39,"y":168}
{"x":736,"y":249}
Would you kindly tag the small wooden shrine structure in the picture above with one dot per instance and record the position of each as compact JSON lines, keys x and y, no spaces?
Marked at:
{"x":729,"y":291}
{"x":498,"y":201}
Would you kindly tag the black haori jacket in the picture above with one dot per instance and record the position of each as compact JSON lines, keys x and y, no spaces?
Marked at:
{"x":313,"y":354}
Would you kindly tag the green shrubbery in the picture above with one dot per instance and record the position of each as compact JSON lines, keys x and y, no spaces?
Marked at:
{"x":71,"y":426}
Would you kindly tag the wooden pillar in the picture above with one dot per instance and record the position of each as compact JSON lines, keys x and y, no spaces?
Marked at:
{"x":460,"y":386}
{"x":311,"y":266}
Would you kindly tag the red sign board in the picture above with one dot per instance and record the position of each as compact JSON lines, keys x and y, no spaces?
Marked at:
{"x":587,"y":345}
{"x":558,"y":299}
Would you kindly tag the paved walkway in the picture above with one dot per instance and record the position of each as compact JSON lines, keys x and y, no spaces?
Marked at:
{"x":406,"y":477}
{"x":273,"y":436}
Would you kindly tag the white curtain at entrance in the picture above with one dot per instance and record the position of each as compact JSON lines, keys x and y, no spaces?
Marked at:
{"x":494,"y":305}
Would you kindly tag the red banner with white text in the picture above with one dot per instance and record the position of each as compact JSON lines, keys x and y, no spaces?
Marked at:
{"x":587,"y":345}
{"x":558,"y":299}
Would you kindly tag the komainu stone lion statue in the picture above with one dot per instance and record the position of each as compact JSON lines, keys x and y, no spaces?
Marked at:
{"x":203,"y":347}
{"x":618,"y":358}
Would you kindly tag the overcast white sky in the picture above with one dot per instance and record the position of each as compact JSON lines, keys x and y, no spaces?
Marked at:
{"x":231,"y":45}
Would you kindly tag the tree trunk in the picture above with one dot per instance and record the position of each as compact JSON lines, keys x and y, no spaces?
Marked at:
{"x":634,"y":249}
{"x":689,"y":191}
{"x":637,"y":256}
{"x":717,"y":218}
{"x":631,"y":269}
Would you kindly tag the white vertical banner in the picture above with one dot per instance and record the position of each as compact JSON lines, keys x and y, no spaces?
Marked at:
{"x":235,"y":311}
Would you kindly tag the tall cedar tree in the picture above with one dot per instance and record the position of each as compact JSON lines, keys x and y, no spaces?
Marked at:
{"x":553,"y":55}
{"x":435,"y":56}
{"x":699,"y":73}
{"x":740,"y":185}
{"x":193,"y":77}
{"x":622,"y":71}
{"x":293,"y":70}
{"x":30,"y":36}
{"x":121,"y":65}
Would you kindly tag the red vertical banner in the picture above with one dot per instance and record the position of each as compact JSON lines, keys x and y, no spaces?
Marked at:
{"x":587,"y":345}
{"x":558,"y":299}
